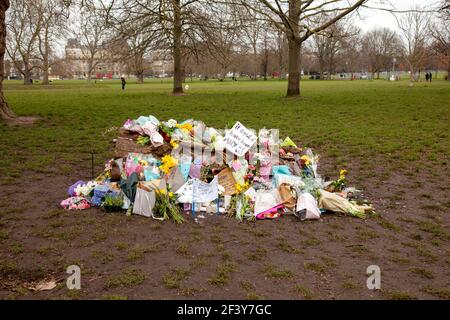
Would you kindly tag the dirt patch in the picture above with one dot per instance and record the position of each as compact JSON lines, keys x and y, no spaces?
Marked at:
{"x":220,"y":258}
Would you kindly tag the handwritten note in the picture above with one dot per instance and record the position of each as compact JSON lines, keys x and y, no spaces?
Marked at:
{"x":239,"y":139}
{"x":185,"y":193}
{"x":205,"y":192}
{"x":226,"y":180}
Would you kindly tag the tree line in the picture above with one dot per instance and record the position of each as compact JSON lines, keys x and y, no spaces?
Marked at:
{"x":255,"y":37}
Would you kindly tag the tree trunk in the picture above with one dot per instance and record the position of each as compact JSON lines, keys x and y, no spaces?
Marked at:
{"x":5,"y":111}
{"x":140,"y":77}
{"x":183,"y":73}
{"x":45,"y":67}
{"x":294,"y":68}
{"x":294,"y":50}
{"x":280,"y":61}
{"x":45,"y":62}
{"x":89,"y":72}
{"x":255,"y":64}
{"x":321,"y":70}
{"x":448,"y":68}
{"x":177,"y":33}
{"x":45,"y":80}
{"x":26,"y":76}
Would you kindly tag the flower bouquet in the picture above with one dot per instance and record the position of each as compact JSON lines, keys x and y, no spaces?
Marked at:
{"x":113,"y":202}
{"x":339,"y":184}
{"x":241,"y":206}
{"x":166,"y":206}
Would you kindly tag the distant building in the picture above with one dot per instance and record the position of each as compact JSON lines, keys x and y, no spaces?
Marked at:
{"x":77,"y":64}
{"x":160,"y":64}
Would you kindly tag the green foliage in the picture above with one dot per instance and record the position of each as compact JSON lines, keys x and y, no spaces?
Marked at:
{"x":113,"y":201}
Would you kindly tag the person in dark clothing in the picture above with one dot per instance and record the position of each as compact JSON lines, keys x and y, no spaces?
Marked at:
{"x":427,"y":76}
{"x":122,"y":79}
{"x":431,"y":76}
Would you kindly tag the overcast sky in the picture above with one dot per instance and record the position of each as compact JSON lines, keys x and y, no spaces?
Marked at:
{"x":377,"y":18}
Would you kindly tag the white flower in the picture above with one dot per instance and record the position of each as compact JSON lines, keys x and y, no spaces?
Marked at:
{"x":85,"y":190}
{"x":220,"y":189}
{"x":171,"y":123}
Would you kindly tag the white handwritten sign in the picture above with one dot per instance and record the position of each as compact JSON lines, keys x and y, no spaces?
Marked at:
{"x":239,"y":139}
{"x":205,"y":192}
{"x":185,"y":193}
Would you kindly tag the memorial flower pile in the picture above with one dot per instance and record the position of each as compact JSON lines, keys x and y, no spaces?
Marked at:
{"x":171,"y":170}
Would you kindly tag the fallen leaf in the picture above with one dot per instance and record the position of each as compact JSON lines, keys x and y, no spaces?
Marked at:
{"x":44,"y":285}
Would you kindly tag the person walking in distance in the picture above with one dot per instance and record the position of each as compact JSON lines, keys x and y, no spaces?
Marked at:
{"x":122,"y":79}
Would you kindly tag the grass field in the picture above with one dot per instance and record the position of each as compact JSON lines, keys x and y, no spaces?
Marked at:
{"x":393,"y":139}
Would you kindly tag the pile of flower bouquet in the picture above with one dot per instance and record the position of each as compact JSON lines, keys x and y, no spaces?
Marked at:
{"x":192,"y":169}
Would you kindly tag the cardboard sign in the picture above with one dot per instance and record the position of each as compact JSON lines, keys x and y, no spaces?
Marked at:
{"x":239,"y":140}
{"x":226,"y":180}
{"x":205,"y":192}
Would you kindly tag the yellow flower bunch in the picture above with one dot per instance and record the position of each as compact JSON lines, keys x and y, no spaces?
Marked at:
{"x":164,"y":192}
{"x":174,"y":144}
{"x":241,"y":187}
{"x":168,"y":162}
{"x":306,"y":160}
{"x":186,"y":126}
{"x":342,"y":174}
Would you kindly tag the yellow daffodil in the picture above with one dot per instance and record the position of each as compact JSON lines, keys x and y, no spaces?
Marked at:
{"x":168,"y":162}
{"x":174,"y":144}
{"x":343,"y":172}
{"x":241,"y":187}
{"x":306,"y":160}
{"x":186,"y":127}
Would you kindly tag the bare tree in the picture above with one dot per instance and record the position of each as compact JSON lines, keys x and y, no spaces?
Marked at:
{"x":351,"y":51}
{"x":298,"y":20}
{"x":24,"y":27}
{"x":265,"y":51}
{"x":53,"y":15}
{"x":136,"y":57}
{"x":440,"y":33}
{"x":222,"y":37}
{"x":92,"y":36}
{"x":134,"y":46}
{"x":414,"y":26}
{"x":380,"y":46}
{"x":281,"y":53}
{"x":174,"y":22}
{"x":6,"y":114}
{"x":252,"y":30}
{"x":5,"y":111}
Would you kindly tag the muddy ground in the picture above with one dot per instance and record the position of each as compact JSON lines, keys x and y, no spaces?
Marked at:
{"x":139,"y":258}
